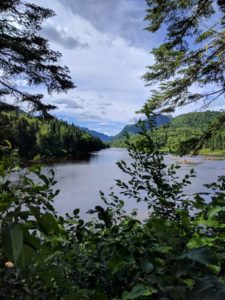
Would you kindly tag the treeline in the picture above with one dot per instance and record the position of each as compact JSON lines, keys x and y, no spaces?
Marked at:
{"x":180,"y":129}
{"x":49,"y":138}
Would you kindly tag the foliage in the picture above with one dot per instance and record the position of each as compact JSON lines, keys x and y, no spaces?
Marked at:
{"x":191,"y":54}
{"x":25,"y":55}
{"x":176,"y":253}
{"x":181,"y":135}
{"x":28,"y":226}
{"x":48,"y":138}
{"x":189,"y":63}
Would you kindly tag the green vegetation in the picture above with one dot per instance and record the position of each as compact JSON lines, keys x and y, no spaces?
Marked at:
{"x":191,"y":55}
{"x":48,"y":138}
{"x":183,"y":128}
{"x":25,"y":55}
{"x":177,"y":253}
{"x":189,"y":63}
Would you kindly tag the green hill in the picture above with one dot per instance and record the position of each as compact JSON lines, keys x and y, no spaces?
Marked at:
{"x":133,"y":129}
{"x":182,"y":128}
{"x":49,"y":138}
{"x":199,"y":120}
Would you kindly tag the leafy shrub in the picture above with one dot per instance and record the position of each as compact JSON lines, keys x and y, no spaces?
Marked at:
{"x":176,"y":253}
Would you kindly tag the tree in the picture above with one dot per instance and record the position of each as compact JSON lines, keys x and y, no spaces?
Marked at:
{"x":192,"y":56}
{"x":24,"y":54}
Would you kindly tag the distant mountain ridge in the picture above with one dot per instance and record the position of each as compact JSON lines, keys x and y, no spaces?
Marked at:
{"x":134,"y":129}
{"x":131,"y":129}
{"x":103,"y":137}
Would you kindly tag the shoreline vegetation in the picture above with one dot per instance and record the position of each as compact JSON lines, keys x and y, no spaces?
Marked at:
{"x":55,"y":141}
{"x":46,"y":140}
{"x":207,"y":153}
{"x":183,"y":128}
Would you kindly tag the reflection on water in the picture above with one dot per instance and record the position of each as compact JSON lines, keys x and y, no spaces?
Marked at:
{"x":80,"y":182}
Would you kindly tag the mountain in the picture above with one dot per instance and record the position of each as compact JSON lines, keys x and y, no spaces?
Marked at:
{"x":134,"y":129}
{"x":198,"y":120}
{"x":103,"y":137}
{"x":182,"y":128}
{"x":131,"y":129}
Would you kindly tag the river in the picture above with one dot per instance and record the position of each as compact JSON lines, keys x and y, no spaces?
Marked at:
{"x":80,"y":182}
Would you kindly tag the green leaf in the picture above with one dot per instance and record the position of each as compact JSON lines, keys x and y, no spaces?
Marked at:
{"x":197,"y":242}
{"x":37,"y":157}
{"x":98,"y":295}
{"x":201,"y":255}
{"x":164,"y":249}
{"x":47,"y":223}
{"x":53,"y":255}
{"x":205,"y":35}
{"x":12,"y":237}
{"x":4,"y":205}
{"x":208,"y":288}
{"x":117,"y":263}
{"x":189,"y":282}
{"x":146,"y":266}
{"x":25,"y":257}
{"x":215,"y":269}
{"x":138,"y":290}
{"x":81,"y":294}
{"x":44,"y":178}
{"x":214,"y":211}
{"x":211,"y":222}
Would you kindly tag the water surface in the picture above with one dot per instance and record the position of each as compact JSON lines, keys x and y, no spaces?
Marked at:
{"x":80,"y":182}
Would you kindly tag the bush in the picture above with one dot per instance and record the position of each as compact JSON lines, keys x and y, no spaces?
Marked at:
{"x":176,"y":253}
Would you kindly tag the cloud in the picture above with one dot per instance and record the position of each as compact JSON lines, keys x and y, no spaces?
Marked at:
{"x":104,"y":104}
{"x":60,"y":36}
{"x":125,"y":21}
{"x":108,"y":71}
{"x":70,"y":104}
{"x":88,"y":116}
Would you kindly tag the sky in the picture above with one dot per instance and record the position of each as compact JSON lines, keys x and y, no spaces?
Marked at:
{"x":105,"y":46}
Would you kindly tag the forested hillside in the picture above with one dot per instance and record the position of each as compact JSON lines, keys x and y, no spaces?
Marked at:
{"x":182,"y":128}
{"x":49,"y":138}
{"x":134,"y":129}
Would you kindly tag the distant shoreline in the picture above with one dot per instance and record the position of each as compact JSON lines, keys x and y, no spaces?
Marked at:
{"x":209,"y":155}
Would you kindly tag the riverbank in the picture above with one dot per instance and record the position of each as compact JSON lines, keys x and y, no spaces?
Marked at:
{"x":214,"y":153}
{"x":51,"y":160}
{"x":207,"y":153}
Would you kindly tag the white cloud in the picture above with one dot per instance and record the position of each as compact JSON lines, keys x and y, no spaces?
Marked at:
{"x":108,"y":70}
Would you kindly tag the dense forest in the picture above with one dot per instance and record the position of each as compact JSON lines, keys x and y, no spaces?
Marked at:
{"x":48,"y":138}
{"x":181,"y":128}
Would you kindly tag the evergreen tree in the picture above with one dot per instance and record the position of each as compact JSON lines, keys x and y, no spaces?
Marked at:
{"x":192,"y":56}
{"x":25,"y":54}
